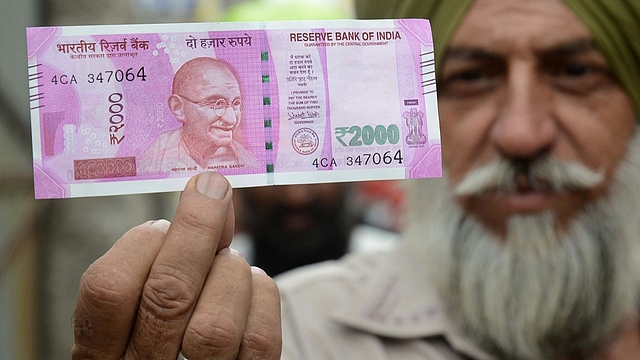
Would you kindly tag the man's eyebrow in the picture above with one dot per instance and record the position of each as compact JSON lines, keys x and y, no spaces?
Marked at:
{"x":572,"y":48}
{"x":469,"y":53}
{"x":216,"y":97}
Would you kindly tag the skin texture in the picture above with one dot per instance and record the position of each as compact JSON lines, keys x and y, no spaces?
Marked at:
{"x":166,"y":286}
{"x":525,"y":84}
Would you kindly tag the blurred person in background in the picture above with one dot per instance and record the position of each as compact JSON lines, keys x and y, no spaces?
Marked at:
{"x":290,"y":226}
{"x":526,"y":249}
{"x":285,"y":227}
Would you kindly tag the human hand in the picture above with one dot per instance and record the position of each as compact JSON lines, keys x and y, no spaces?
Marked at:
{"x":169,"y":287}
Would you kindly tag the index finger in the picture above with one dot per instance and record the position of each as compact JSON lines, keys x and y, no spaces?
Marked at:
{"x":202,"y":223}
{"x":109,"y":293}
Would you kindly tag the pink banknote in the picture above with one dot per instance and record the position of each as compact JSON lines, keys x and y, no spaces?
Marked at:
{"x":142,"y":108}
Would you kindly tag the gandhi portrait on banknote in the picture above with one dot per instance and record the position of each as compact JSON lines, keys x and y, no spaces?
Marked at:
{"x":207,"y":100}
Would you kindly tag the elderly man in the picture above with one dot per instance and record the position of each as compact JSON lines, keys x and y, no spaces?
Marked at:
{"x":527,"y":249}
{"x":206,"y":99}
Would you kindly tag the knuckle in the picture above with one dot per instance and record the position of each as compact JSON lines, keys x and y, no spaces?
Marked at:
{"x":266,"y":285}
{"x":212,"y":336}
{"x":264,"y":344}
{"x":105,"y":288}
{"x":193,"y":223}
{"x":168,"y":294}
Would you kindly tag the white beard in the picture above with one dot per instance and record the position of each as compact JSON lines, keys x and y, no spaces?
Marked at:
{"x":538,"y":294}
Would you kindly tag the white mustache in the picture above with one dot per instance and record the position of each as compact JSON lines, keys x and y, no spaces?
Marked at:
{"x":542,"y":174}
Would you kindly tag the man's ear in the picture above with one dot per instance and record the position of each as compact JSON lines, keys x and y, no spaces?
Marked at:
{"x":176,"y":104}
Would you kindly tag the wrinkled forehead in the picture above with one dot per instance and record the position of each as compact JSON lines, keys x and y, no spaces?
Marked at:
{"x":208,"y":80}
{"x":518,"y":27}
{"x":220,"y":81}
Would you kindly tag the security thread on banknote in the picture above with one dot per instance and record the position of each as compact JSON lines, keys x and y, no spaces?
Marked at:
{"x":142,"y":108}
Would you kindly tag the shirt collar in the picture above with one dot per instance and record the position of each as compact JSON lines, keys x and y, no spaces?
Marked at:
{"x":398,"y":301}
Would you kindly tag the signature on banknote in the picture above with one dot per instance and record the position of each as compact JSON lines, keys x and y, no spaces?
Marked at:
{"x":304,"y":115}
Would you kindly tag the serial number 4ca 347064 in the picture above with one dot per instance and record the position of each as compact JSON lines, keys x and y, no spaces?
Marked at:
{"x":102,"y":77}
{"x":366,"y":159}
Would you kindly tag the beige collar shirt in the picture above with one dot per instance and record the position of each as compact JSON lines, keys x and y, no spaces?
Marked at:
{"x":376,"y":306}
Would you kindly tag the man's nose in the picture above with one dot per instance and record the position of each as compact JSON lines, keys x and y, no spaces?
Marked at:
{"x":229,"y":116}
{"x":525,"y":126}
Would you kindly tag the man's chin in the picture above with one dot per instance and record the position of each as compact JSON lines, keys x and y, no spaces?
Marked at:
{"x":221,"y":139}
{"x":523,"y":297}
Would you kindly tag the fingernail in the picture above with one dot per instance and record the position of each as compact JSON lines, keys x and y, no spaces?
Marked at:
{"x":211,"y":185}
{"x":257,"y":271}
{"x":157,"y":222}
{"x":162,"y":223}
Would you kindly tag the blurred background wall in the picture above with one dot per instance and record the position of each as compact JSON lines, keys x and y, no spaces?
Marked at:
{"x":45,"y":246}
{"x":19,"y":212}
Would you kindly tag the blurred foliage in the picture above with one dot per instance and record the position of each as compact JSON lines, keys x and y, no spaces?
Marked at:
{"x":292,"y":10}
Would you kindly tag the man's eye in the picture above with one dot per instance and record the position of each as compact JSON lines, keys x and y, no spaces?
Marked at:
{"x":469,"y":82}
{"x":471,"y":75}
{"x":579,"y":78}
{"x":577,"y":70}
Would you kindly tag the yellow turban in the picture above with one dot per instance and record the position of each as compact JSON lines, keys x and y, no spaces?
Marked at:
{"x":614,"y":24}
